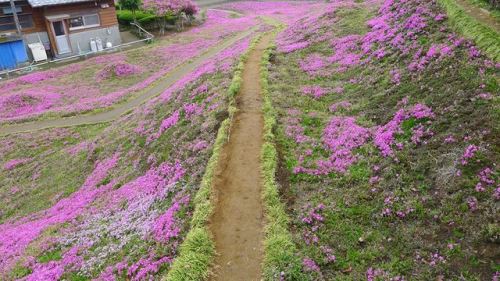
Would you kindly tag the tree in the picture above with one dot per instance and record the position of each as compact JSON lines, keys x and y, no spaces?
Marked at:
{"x":165,"y":9}
{"x":132,"y":5}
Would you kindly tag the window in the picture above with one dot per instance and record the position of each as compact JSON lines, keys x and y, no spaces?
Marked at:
{"x":85,"y":21}
{"x":58,"y":28}
{"x":8,"y":10}
{"x":7,"y":22}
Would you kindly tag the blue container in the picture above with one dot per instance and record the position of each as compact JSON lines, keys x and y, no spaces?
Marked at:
{"x":12,"y":54}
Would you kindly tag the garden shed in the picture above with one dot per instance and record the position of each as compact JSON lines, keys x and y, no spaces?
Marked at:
{"x":12,"y":52}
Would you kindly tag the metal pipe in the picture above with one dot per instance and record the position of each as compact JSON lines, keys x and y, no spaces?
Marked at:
{"x":16,"y":19}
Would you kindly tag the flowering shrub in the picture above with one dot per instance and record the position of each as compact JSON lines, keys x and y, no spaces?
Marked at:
{"x":161,"y":7}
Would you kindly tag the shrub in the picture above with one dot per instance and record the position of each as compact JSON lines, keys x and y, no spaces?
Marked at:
{"x":125,"y":17}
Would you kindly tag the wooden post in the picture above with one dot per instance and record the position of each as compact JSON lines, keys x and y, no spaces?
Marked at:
{"x":16,"y":19}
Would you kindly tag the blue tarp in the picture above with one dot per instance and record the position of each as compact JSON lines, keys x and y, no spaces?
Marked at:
{"x":12,"y":54}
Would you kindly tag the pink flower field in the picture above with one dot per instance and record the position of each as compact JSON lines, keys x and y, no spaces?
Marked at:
{"x":387,"y":156}
{"x":138,"y":192}
{"x":105,"y":80}
{"x":379,"y":157}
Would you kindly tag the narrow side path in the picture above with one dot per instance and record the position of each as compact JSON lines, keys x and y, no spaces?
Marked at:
{"x":480,"y":14}
{"x":114,"y":113}
{"x":238,"y":220}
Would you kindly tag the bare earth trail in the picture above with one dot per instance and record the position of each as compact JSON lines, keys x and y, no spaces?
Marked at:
{"x":238,"y":220}
{"x":480,"y":15}
{"x":120,"y":109}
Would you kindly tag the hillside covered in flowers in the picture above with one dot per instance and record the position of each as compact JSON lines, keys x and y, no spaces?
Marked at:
{"x":388,"y":140}
{"x":379,"y":160}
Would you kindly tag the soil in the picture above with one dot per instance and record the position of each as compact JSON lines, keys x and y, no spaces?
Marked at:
{"x":238,"y":220}
{"x":120,"y":109}
{"x":480,"y":14}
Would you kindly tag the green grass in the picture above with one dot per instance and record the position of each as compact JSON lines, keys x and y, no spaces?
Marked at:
{"x":354,"y":227}
{"x":279,"y":248}
{"x":494,"y":12}
{"x":53,"y":255}
{"x":59,"y":173}
{"x":484,"y":36}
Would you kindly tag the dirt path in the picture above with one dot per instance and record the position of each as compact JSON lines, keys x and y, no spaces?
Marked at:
{"x":114,"y":113}
{"x":480,"y":14}
{"x":238,"y":220}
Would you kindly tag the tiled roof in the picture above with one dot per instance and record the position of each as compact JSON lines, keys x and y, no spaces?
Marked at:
{"x":41,"y":3}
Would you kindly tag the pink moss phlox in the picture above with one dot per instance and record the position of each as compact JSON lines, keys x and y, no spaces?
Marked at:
{"x":192,"y":109}
{"x":13,"y":163}
{"x":336,"y":106}
{"x":294,"y":129}
{"x":384,"y":136}
{"x":165,"y":226}
{"x":343,"y":133}
{"x":28,"y":102}
{"x":472,"y":203}
{"x":145,"y":268}
{"x":53,"y":270}
{"x":156,"y":181}
{"x":313,"y":220}
{"x":469,"y":153}
{"x":310,"y":265}
{"x":341,"y":136}
{"x":486,"y":176}
{"x":118,"y":69}
{"x":314,"y":91}
{"x":15,"y":236}
{"x":166,"y":124}
{"x":312,"y":63}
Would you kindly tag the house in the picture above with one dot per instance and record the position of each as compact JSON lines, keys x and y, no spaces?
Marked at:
{"x":65,"y":27}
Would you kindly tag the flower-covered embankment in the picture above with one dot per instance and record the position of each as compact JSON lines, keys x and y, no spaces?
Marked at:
{"x":393,"y":176}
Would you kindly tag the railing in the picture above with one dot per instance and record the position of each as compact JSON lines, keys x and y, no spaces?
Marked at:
{"x":148,"y":38}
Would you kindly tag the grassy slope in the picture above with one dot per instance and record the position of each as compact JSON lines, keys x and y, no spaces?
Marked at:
{"x":484,"y":36}
{"x":422,"y":178}
{"x":280,"y":251}
{"x":62,"y":173}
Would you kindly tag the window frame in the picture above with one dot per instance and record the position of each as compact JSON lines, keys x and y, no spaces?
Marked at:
{"x":27,"y":24}
{"x":84,"y":26}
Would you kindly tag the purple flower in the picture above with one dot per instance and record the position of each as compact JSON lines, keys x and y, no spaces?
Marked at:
{"x":12,"y":164}
{"x":472,"y":203}
{"x":310,"y":265}
{"x":469,"y":153}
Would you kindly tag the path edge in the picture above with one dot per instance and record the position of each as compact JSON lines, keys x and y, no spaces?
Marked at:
{"x":136,"y":94}
{"x":484,"y":36}
{"x":280,"y":258}
{"x":197,"y":251}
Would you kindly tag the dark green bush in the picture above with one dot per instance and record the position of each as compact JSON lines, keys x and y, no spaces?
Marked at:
{"x":150,"y":19}
{"x":125,"y":17}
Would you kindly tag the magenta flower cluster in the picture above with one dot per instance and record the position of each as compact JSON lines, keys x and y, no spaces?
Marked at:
{"x":13,"y":163}
{"x":384,"y":136}
{"x":342,"y":136}
{"x":119,"y":69}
